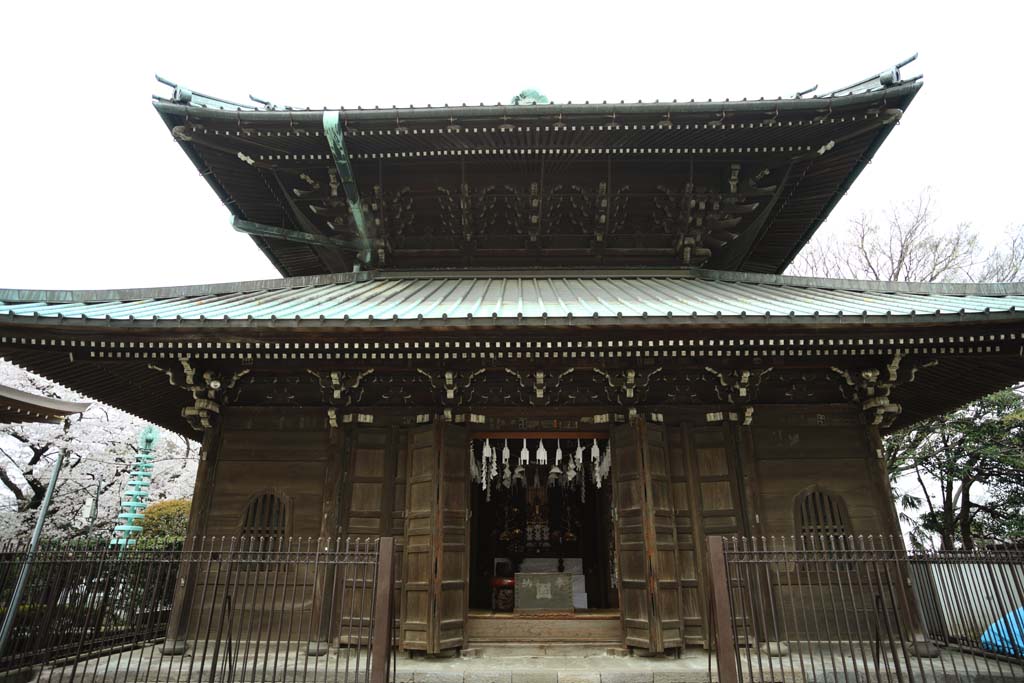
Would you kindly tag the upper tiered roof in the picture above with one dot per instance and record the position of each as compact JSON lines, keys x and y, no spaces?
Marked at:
{"x":733,"y":185}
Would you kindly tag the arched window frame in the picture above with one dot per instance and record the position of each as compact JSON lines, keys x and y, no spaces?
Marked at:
{"x":832,"y":528}
{"x":281,"y":534}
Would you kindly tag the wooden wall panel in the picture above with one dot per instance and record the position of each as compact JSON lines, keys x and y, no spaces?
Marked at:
{"x":838,"y":458}
{"x":284,"y":450}
{"x":717,"y":487}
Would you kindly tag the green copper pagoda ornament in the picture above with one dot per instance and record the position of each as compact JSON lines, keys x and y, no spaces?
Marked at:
{"x":530,"y":96}
{"x":136,"y":496}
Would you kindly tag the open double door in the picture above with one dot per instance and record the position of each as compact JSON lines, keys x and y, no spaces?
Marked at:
{"x":672,"y":486}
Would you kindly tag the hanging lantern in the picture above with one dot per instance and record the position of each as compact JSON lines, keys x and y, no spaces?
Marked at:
{"x":542,"y":454}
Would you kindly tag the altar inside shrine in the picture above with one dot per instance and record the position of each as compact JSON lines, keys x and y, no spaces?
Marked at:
{"x":541,"y":524}
{"x":544,"y":593}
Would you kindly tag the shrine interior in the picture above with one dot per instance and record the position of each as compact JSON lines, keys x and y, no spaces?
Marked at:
{"x":541,"y":505}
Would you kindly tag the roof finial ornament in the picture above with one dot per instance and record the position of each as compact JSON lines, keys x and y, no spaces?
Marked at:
{"x":530,"y":96}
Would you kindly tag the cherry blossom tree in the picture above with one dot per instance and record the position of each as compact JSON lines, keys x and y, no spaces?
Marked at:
{"x":98,"y":446}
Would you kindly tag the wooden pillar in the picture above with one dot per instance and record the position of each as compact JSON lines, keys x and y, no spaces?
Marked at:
{"x":725,"y":642}
{"x":749,"y":480}
{"x":329,"y":541}
{"x":879,"y":474}
{"x":202,"y":496}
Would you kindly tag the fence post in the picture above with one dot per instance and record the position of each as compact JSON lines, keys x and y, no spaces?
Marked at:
{"x":725,"y":643}
{"x":383,"y":590}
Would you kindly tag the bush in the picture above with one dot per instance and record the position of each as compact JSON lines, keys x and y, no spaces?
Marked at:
{"x":167,"y":519}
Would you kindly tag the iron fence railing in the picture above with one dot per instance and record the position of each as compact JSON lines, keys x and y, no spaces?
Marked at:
{"x":224,"y":609}
{"x":839,"y":608}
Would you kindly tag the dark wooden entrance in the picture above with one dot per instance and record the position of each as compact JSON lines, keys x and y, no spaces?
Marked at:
{"x":672,"y":486}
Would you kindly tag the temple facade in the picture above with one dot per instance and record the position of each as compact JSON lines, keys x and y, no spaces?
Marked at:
{"x":535,"y":340}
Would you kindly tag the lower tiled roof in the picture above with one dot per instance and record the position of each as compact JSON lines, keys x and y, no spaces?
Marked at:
{"x":436,"y":296}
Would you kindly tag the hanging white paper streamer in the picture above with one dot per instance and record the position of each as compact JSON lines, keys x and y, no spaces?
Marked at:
{"x":474,"y":471}
{"x":606,"y":464}
{"x":542,"y":454}
{"x":595,"y":462}
{"x":506,"y":454}
{"x":485,"y":468}
{"x":579,"y":454}
{"x":506,"y":477}
{"x":558,"y":454}
{"x":524,"y":455}
{"x":554,"y":475}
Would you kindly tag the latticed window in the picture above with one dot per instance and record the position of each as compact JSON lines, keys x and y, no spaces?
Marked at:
{"x":822,"y":520}
{"x":266,"y":518}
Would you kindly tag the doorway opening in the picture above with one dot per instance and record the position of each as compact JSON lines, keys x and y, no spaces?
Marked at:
{"x":542,"y":505}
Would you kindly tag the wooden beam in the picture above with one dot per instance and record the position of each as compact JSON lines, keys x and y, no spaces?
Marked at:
{"x":275,"y":233}
{"x":343,"y":164}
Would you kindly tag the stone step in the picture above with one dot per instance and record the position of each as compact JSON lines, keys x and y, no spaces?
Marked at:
{"x":601,"y":628}
{"x":475,"y":649}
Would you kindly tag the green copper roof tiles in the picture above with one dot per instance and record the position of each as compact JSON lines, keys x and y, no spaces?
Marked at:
{"x":521,"y":295}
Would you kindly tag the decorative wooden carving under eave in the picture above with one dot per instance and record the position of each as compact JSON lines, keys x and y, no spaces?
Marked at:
{"x":468,"y":213}
{"x":739,"y":387}
{"x":872,"y":388}
{"x":208,"y":391}
{"x":702,"y":219}
{"x":338,"y":385}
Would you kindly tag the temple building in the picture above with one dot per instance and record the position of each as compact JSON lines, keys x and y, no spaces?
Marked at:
{"x":536,"y":340}
{"x":17,"y":407}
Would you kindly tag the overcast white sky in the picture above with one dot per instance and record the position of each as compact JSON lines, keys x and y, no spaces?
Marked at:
{"x":96,"y":194}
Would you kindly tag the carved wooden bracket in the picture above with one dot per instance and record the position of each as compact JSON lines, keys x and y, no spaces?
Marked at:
{"x":739,"y":388}
{"x":208,"y":391}
{"x":339,"y":386}
{"x":871,"y":388}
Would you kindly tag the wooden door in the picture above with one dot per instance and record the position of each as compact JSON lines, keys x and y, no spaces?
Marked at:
{"x":661,"y":512}
{"x":645,"y":538}
{"x":435,"y":585}
{"x":371,"y":505}
{"x":689,"y":538}
{"x":706,"y":498}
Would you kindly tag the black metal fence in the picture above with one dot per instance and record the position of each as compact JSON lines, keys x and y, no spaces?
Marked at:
{"x":225,"y":609}
{"x":831,"y":608}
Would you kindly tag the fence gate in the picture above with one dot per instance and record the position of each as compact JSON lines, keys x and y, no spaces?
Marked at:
{"x":258,"y":610}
